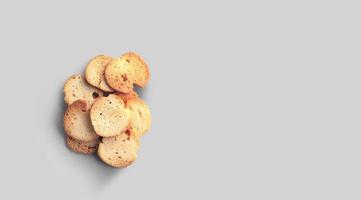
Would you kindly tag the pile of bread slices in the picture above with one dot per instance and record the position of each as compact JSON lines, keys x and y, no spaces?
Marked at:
{"x":104,"y":114}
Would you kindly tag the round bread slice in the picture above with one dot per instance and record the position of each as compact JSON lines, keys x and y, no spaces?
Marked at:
{"x":119,"y":151}
{"x":77,"y":122}
{"x":126,"y":96}
{"x":118,"y":75}
{"x":77,"y":88}
{"x":138,"y":67}
{"x":121,"y":73}
{"x":82,"y":147}
{"x":140,"y":118}
{"x":109,"y":116}
{"x":95,"y":70}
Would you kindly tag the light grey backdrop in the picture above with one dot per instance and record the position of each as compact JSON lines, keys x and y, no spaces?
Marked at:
{"x":250,"y":99}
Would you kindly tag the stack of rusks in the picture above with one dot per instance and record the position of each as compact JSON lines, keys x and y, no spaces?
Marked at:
{"x":104,"y":113}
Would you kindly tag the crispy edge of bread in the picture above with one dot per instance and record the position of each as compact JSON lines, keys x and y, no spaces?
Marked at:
{"x":127,"y":96}
{"x":82,"y":147}
{"x":134,"y":105}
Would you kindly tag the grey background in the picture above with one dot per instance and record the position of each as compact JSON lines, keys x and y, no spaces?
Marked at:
{"x":250,"y":99}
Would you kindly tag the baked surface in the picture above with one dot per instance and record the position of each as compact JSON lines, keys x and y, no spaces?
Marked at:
{"x":76,"y":88}
{"x":109,"y":116}
{"x":119,"y":151}
{"x":121,"y":73}
{"x":95,"y":70}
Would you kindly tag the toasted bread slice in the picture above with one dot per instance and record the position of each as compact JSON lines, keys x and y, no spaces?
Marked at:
{"x":138,"y":67}
{"x":119,"y":76}
{"x":109,"y":116}
{"x":121,"y":73}
{"x":77,"y":88}
{"x":95,"y":70}
{"x":77,"y":122}
{"x":119,"y":151}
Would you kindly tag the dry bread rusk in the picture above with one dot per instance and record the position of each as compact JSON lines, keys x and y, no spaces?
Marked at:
{"x":119,"y":151}
{"x":140,"y":118}
{"x":82,"y":147}
{"x":109,"y":116}
{"x":77,"y":88}
{"x":126,"y":96}
{"x":139,"y":68}
{"x":94,"y":72}
{"x":77,"y":122}
{"x":121,"y":73}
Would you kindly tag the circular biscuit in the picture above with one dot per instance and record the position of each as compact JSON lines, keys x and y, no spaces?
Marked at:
{"x":119,"y":76}
{"x":82,"y":147}
{"x":77,"y":88}
{"x":95,"y":70}
{"x":109,"y":116}
{"x":77,"y":122}
{"x":119,"y":151}
{"x":139,"y":68}
{"x":140,"y":118}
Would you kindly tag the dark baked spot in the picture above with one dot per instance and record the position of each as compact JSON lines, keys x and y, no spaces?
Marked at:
{"x":106,"y":94}
{"x":127,"y":132}
{"x":119,"y":157}
{"x":124,"y":77}
{"x":95,"y":95}
{"x":128,"y":61}
{"x":116,"y":152}
{"x":101,"y":114}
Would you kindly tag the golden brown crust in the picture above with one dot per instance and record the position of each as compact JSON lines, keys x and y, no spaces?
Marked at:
{"x":109,"y":116}
{"x":95,"y":71}
{"x":76,"y":88}
{"x":82,"y":147}
{"x":77,"y":122}
{"x":119,"y":151}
